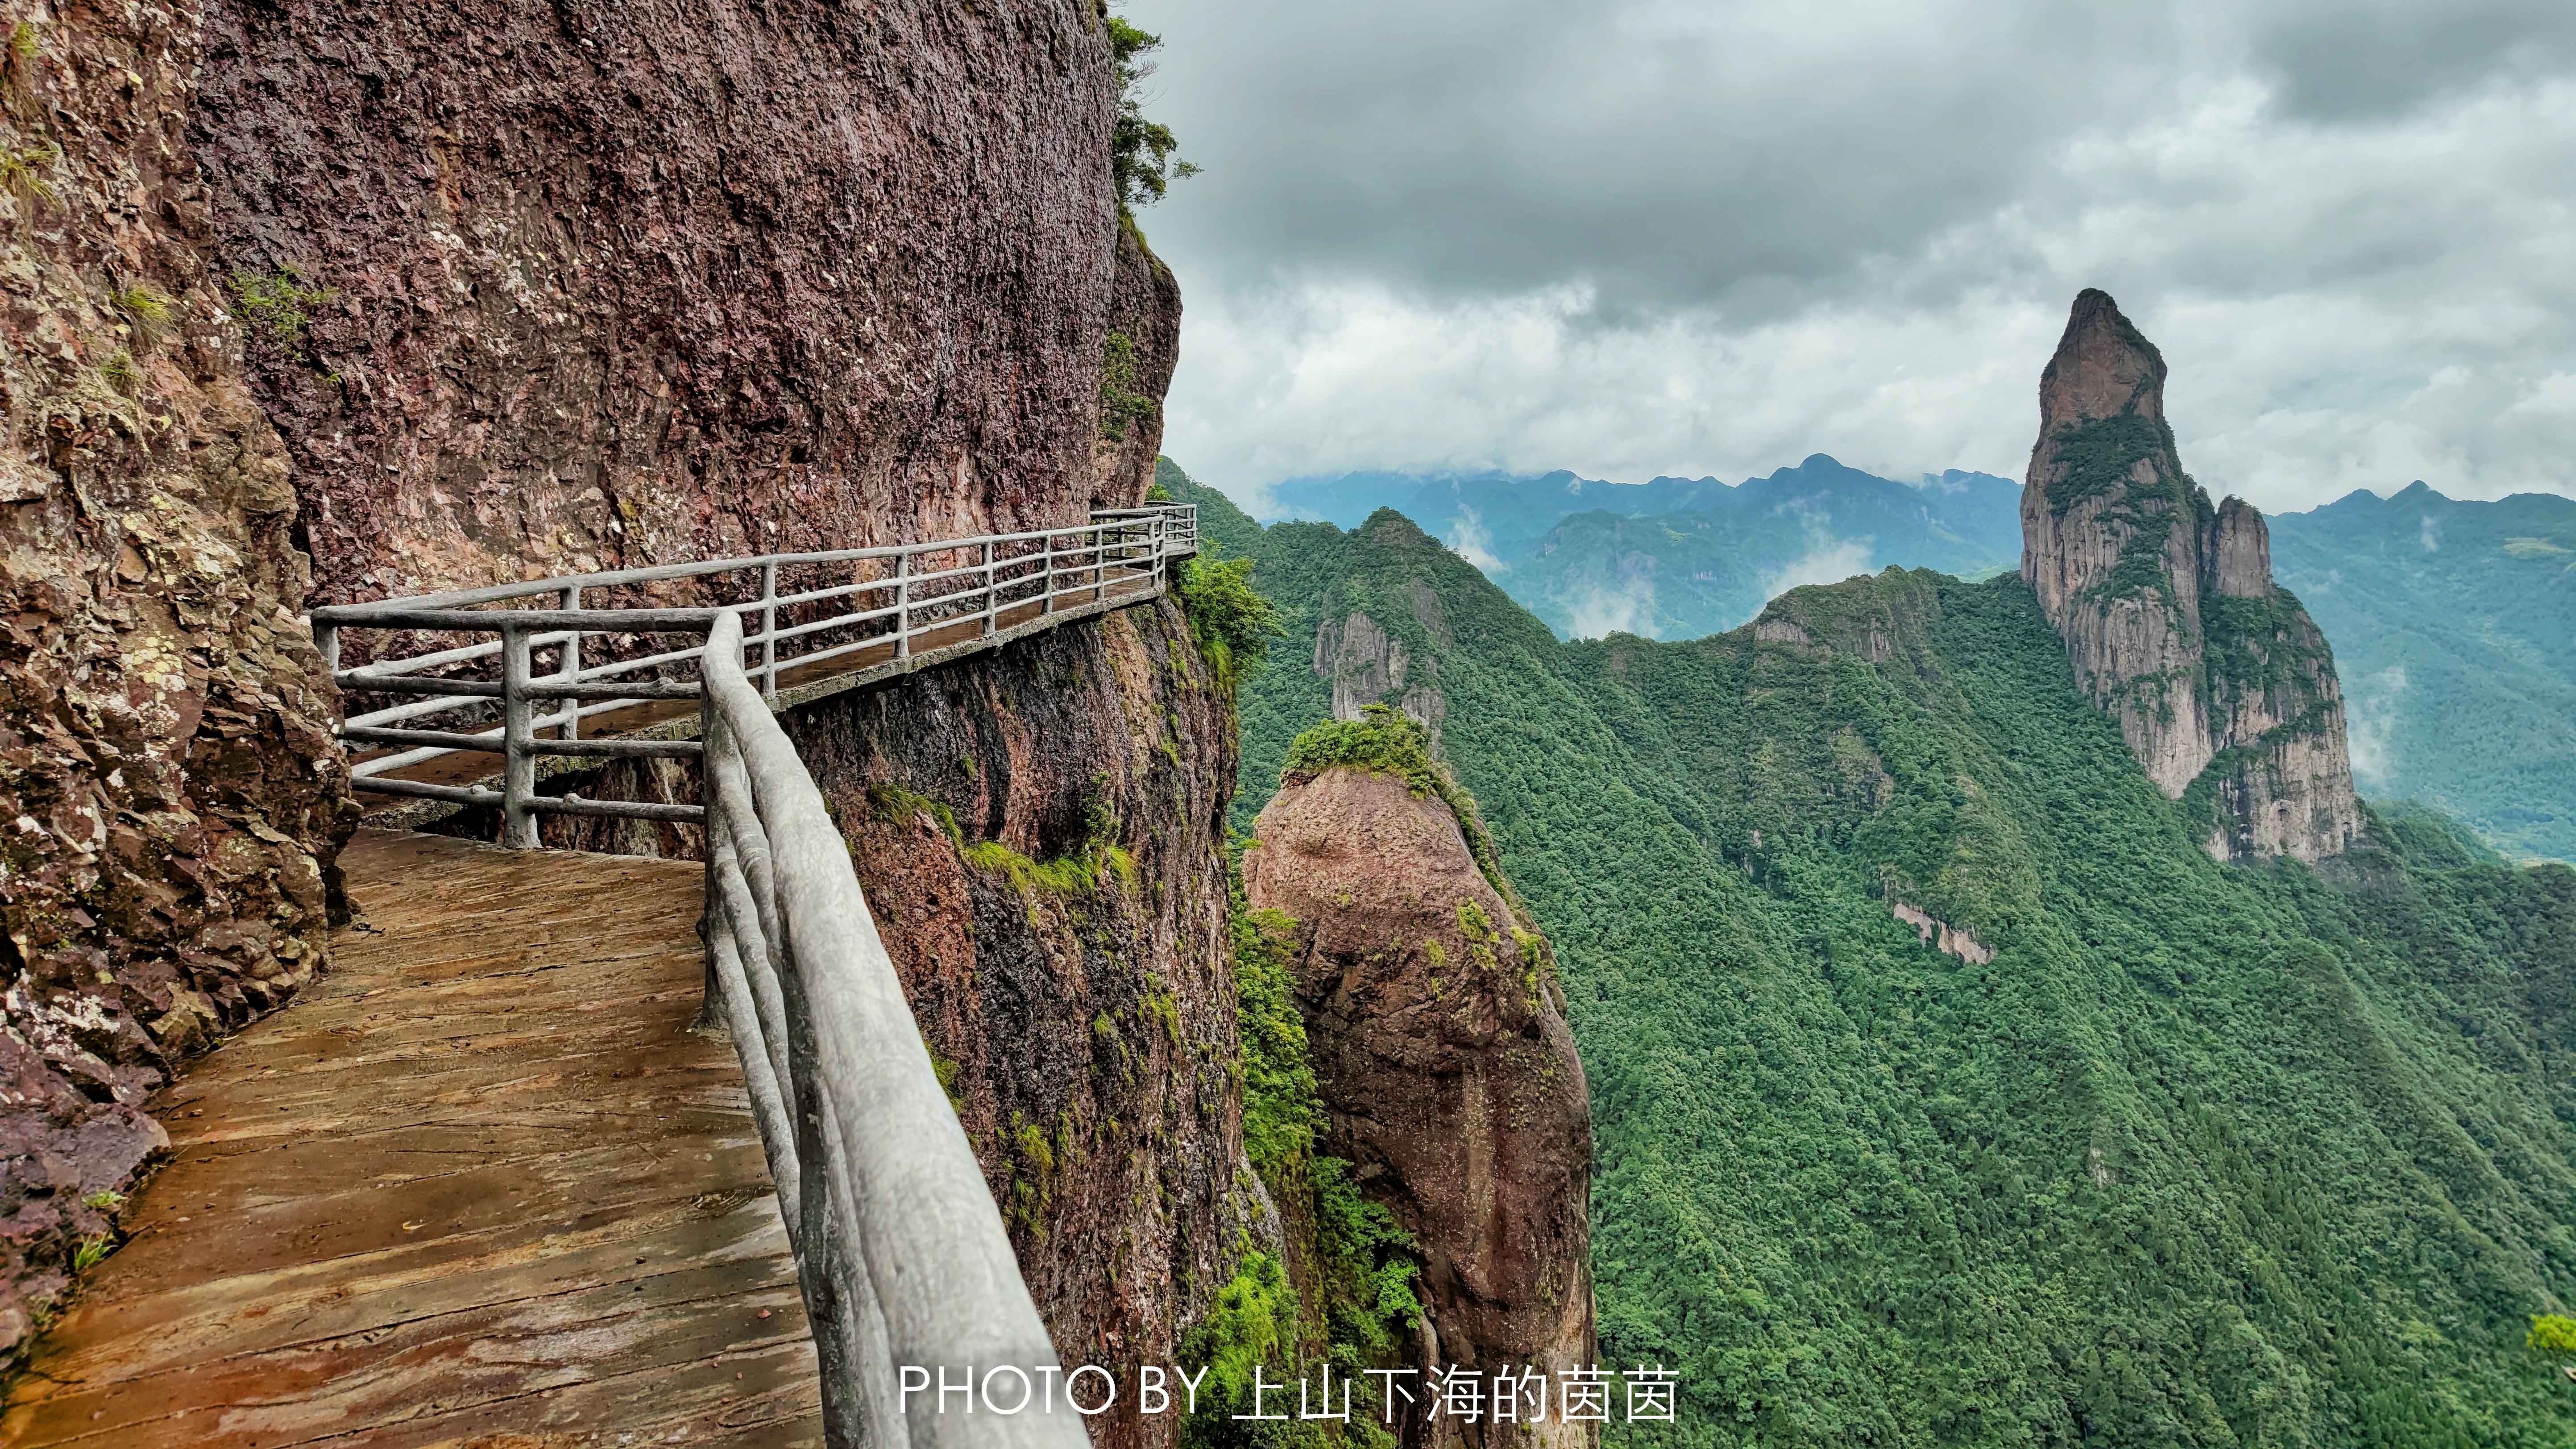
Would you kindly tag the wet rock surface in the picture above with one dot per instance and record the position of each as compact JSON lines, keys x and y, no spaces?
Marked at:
{"x":591,"y":285}
{"x":173,"y":796}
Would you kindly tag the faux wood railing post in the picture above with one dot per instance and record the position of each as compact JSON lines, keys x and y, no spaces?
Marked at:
{"x":518,"y":760}
{"x":769,"y":630}
{"x":570,"y":672}
{"x":903,"y":605}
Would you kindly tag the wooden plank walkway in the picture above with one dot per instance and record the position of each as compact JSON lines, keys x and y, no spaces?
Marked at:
{"x":481,"y":1186}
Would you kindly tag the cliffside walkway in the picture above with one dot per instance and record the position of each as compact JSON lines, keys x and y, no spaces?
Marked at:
{"x":488,"y":1182}
{"x":568,"y":663}
{"x":482,"y":1179}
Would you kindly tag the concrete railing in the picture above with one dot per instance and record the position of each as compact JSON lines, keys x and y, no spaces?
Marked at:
{"x":908,"y":1276}
{"x":563,"y":659}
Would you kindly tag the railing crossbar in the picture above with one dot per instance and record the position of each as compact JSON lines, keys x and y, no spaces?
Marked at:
{"x":548,"y":689}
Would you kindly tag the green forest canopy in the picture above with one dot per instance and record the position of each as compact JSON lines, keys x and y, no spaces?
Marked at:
{"x":2204,"y":1156}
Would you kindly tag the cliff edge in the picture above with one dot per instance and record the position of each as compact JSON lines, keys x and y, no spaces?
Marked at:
{"x":2223,"y":686}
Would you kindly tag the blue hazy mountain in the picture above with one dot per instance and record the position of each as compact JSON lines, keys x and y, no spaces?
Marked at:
{"x":2454,"y":630}
{"x":1675,"y":558}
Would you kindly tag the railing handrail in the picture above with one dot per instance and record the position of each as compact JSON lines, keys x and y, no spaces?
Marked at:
{"x":908,"y":1275}
{"x":359,"y":613}
{"x":902,"y":1255}
{"x":1073,"y":571}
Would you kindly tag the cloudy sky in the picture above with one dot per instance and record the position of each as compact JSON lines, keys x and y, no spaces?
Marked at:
{"x":1639,"y":237}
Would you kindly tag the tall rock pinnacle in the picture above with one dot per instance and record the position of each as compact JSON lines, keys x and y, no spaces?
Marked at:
{"x":2223,"y":687}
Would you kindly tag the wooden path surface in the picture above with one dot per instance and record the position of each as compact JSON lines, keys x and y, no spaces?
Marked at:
{"x":481,"y":1187}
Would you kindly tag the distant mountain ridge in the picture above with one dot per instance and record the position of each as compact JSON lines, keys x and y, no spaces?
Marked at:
{"x":1672,"y":557}
{"x":2453,"y":622}
{"x":2454,"y":628}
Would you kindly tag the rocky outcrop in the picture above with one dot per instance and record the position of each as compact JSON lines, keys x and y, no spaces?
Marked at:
{"x":2223,"y":687}
{"x":1445,"y":1066}
{"x":1367,"y":665}
{"x":1142,"y":347}
{"x":2240,"y":552}
{"x":173,"y":796}
{"x":1938,"y":934}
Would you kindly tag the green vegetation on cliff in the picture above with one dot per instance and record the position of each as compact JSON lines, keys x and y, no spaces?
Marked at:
{"x":1142,"y":163}
{"x":2203,"y":1155}
{"x":1338,"y":1288}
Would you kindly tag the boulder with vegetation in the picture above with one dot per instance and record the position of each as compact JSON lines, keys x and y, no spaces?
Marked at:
{"x":1441,"y":1053}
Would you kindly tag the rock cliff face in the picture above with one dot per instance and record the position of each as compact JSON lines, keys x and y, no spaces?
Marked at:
{"x":173,"y":796}
{"x":2224,"y":688}
{"x":569,"y":286}
{"x":1142,"y":347}
{"x":1040,"y":832}
{"x":1445,"y":1065}
{"x":1367,"y":665}
{"x":493,"y":290}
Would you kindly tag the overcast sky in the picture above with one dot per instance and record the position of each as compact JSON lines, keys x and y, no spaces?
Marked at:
{"x":1633,"y":237}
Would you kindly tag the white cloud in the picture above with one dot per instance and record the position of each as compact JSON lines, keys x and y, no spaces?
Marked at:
{"x":1690,"y":239}
{"x":1469,"y":539}
{"x":2370,"y":706}
{"x":1601,"y":611}
{"x":1830,"y":561}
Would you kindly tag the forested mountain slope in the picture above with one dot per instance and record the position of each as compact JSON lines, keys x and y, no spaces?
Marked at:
{"x":2157,"y":1152}
{"x":2454,"y":625}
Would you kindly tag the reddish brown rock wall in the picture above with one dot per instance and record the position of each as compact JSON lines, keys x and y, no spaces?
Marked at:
{"x":1142,"y":349}
{"x":171,"y":797}
{"x":1444,"y":1062}
{"x":618,"y":283}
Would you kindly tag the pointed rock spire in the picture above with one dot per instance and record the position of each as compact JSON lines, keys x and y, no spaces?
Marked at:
{"x":2224,"y":688}
{"x":2103,"y":367}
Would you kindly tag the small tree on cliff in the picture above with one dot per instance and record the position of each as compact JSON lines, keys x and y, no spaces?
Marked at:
{"x":1141,"y":159}
{"x":2553,"y":1336}
{"x":1231,"y":620}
